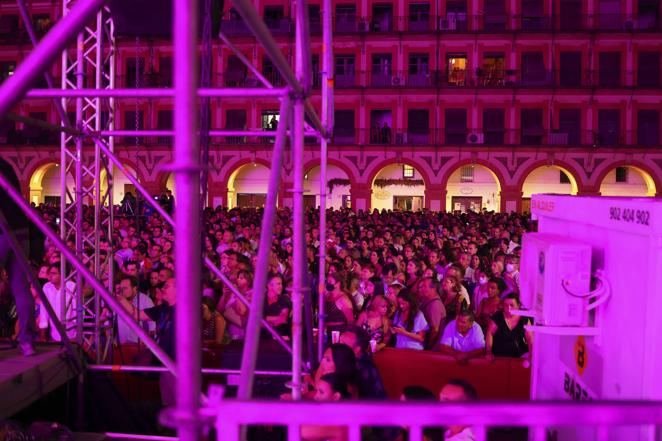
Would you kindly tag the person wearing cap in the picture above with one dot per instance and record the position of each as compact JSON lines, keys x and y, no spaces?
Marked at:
{"x":392,"y":295}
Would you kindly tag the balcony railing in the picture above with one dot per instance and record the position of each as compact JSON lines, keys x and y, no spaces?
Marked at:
{"x":463,"y":22}
{"x":533,"y":136}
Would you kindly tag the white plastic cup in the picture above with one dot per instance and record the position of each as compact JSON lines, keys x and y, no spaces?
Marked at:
{"x":373,"y":346}
{"x":335,"y":336}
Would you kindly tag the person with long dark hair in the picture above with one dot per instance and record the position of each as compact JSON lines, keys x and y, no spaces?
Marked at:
{"x":409,"y":324}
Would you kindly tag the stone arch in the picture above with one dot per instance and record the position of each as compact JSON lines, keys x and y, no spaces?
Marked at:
{"x":45,"y":181}
{"x":121,"y":184}
{"x":647,"y":184}
{"x":420,"y":167}
{"x":338,"y":194}
{"x":399,"y":195}
{"x":477,"y":194}
{"x":251,"y":189}
{"x":351,"y":175}
{"x":534,"y":181}
{"x":573,"y":173}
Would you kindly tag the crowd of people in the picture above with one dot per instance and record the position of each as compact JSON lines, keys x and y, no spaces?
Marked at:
{"x":413,"y":280}
{"x":416,"y":280}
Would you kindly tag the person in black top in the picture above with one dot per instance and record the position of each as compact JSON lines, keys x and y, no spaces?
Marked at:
{"x":370,"y":385}
{"x":506,"y":335}
{"x":277,"y":306}
{"x":18,"y":224}
{"x":164,"y":316}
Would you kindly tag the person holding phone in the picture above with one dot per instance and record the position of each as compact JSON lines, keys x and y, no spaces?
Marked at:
{"x":409,"y":324}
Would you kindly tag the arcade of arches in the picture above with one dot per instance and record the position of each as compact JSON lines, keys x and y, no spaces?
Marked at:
{"x":393,"y":186}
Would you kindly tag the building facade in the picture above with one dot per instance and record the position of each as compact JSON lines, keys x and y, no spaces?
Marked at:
{"x":444,"y":104}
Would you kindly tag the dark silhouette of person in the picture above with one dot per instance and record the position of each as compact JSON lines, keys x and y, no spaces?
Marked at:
{"x":18,"y":224}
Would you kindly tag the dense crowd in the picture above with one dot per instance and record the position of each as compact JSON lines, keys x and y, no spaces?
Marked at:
{"x":416,"y":280}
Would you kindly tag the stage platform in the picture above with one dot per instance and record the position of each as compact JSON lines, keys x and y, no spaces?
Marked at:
{"x":24,"y":380}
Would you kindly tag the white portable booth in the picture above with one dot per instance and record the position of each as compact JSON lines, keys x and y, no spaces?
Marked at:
{"x":599,"y":339}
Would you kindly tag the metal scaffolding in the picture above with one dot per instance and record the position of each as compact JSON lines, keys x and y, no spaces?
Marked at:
{"x":95,"y":53}
{"x":89,"y":21}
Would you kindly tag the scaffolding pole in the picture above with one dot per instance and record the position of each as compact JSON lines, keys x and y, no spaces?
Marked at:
{"x":188,"y":252}
{"x":327,"y":121}
{"x":43,"y":56}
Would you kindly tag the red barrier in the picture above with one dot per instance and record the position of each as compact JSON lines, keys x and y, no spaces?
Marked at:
{"x":502,"y":379}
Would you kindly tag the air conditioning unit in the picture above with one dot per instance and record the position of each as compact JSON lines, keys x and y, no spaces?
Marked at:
{"x":448,"y":23}
{"x":476,"y":138}
{"x":396,"y":81}
{"x":558,"y":138}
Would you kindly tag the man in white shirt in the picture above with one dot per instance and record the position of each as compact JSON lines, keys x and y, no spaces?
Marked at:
{"x":462,"y":338}
{"x":54,"y":292}
{"x":128,"y":288}
{"x":458,"y":390}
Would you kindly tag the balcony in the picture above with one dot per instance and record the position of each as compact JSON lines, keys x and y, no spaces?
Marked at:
{"x":234,"y":28}
{"x":462,"y":22}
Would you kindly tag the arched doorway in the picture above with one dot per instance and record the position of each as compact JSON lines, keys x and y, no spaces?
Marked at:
{"x":45,"y":185}
{"x":473,"y":187}
{"x":247,"y":186}
{"x":170,"y":185}
{"x":628,"y":181}
{"x":547,"y":179}
{"x":121,"y":184}
{"x":337,"y":188}
{"x":398,"y":187}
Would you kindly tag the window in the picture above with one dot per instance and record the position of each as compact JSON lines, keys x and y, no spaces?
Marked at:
{"x":9,"y":26}
{"x":494,"y":15}
{"x":492,"y":72}
{"x":456,"y":65}
{"x":570,"y":15}
{"x":343,"y":129}
{"x":273,"y":17}
{"x":382,"y":17}
{"x":648,"y":14}
{"x":381,"y":124}
{"x":346,"y":18}
{"x":533,"y":69}
{"x":164,"y":122}
{"x":532,"y":126}
{"x":133,"y":121}
{"x":381,"y":70}
{"x":648,"y":127}
{"x":235,"y":73}
{"x":7,"y":69}
{"x":493,"y":126}
{"x":622,"y":174}
{"x":135,"y":72}
{"x":344,"y":75}
{"x":563,"y":177}
{"x":270,"y":119}
{"x":418,"y":130}
{"x":648,"y":69}
{"x":456,"y":126}
{"x":271,"y":73}
{"x":571,"y":69}
{"x":235,"y":119}
{"x":407,"y":171}
{"x":609,"y":127}
{"x":570,"y":124}
{"x":419,"y":17}
{"x":533,"y":15}
{"x":609,"y":14}
{"x":315,"y":19}
{"x":41,"y":23}
{"x":610,"y":69}
{"x":467,"y":174}
{"x":418,"y":73}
